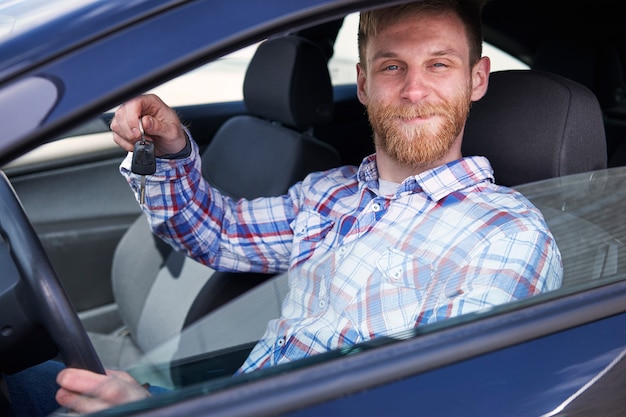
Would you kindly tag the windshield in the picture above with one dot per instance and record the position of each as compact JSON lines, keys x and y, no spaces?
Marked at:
{"x":17,"y":16}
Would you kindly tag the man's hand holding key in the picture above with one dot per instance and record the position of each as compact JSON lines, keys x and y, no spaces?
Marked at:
{"x":161,"y":125}
{"x":149,"y":128}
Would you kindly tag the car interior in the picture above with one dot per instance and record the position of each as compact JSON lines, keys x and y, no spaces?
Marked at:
{"x":529,"y":125}
{"x":293,"y":121}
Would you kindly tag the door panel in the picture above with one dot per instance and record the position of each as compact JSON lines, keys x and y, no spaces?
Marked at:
{"x":80,"y":212}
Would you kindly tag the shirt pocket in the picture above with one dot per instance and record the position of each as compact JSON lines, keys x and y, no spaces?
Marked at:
{"x":309,"y":229}
{"x":311,"y":226}
{"x":404,"y":270}
{"x":403,"y":286}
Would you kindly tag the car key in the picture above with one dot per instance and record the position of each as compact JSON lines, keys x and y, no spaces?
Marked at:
{"x":144,"y":161}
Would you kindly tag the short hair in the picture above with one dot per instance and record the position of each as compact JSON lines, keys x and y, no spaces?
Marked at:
{"x":469,"y":11}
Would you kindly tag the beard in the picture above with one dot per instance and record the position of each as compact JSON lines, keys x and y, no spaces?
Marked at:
{"x":423,"y":143}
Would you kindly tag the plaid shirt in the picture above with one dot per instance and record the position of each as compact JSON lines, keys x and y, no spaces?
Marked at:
{"x":360,"y":264}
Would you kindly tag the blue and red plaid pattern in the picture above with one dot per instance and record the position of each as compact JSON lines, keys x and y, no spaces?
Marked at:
{"x":361,"y":265}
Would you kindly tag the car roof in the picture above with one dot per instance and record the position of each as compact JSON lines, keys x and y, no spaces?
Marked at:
{"x":27,"y":32}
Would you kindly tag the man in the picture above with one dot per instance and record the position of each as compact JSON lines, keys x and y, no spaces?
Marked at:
{"x":416,"y":234}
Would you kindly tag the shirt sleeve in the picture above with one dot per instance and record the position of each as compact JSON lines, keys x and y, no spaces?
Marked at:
{"x":226,"y":234}
{"x":506,"y":269}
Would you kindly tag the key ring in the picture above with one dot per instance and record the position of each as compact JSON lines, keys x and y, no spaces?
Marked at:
{"x":143,"y":139}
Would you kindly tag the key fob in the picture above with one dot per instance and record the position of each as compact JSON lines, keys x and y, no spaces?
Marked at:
{"x":144,"y":160}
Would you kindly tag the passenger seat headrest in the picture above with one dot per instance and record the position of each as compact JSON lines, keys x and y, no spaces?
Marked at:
{"x":535,"y":125}
{"x":287,"y":81}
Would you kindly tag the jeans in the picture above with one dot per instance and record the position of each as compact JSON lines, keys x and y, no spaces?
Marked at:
{"x":32,"y":390}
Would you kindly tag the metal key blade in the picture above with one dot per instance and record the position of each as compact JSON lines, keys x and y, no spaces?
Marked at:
{"x":142,"y":190}
{"x":144,"y":161}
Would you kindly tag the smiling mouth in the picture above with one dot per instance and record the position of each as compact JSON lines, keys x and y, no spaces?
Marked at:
{"x":416,"y":118}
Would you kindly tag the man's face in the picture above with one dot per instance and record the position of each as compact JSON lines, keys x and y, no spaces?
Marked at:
{"x":417,"y":86}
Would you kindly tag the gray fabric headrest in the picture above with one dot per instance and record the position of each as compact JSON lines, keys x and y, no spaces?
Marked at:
{"x":287,"y":81}
{"x":534,"y":125}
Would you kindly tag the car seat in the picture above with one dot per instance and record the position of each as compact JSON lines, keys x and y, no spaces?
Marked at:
{"x":532,"y":126}
{"x":287,"y":92}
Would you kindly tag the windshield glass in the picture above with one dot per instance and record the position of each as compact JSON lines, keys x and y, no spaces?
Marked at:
{"x":17,"y":16}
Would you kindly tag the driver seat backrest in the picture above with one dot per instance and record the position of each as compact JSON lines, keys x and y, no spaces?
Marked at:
{"x":535,"y":125}
{"x":287,"y":92}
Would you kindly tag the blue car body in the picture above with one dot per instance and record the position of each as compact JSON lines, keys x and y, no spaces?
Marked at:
{"x":555,"y":356}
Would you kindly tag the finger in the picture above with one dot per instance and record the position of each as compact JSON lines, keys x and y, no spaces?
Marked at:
{"x":124,"y":376}
{"x":122,"y":132}
{"x":167,"y":133}
{"x":78,"y":402}
{"x":123,"y":143}
{"x":119,"y":124}
{"x":80,"y":380}
{"x":119,"y":389}
{"x":151,"y":127}
{"x":125,"y":122}
{"x":85,"y":391}
{"x":160,"y":130}
{"x":133,"y":110}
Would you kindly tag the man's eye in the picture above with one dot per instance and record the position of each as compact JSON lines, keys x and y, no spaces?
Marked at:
{"x":392,"y":68}
{"x":439,"y":65}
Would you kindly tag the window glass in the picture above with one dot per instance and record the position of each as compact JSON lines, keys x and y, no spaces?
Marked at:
{"x":500,"y":60}
{"x":342,"y":66}
{"x":218,"y":81}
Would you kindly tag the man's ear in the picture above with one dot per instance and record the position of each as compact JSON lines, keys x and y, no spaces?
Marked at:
{"x":480,"y":78}
{"x":360,"y":83}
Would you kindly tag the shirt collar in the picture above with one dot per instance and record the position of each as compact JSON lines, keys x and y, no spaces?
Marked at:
{"x":438,"y":182}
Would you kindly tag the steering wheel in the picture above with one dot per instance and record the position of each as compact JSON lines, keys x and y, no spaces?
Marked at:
{"x":38,"y":292}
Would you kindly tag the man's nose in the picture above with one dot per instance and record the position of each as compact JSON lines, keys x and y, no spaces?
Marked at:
{"x":416,"y":86}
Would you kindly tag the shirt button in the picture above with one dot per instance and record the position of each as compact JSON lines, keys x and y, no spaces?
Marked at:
{"x":396,"y":274}
{"x":280,"y":342}
{"x":376,"y":207}
{"x":322,"y":303}
{"x":342,"y":250}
